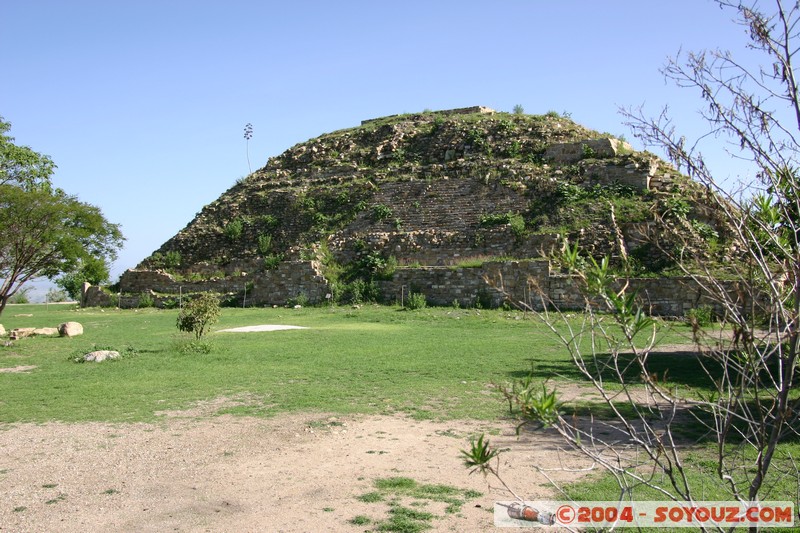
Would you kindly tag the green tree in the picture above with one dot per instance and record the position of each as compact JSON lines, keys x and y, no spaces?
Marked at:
{"x":93,"y":270}
{"x":45,"y":231}
{"x":19,"y":165}
{"x":199,"y":314}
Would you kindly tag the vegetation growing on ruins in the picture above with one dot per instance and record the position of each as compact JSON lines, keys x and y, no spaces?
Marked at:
{"x":506,"y":183}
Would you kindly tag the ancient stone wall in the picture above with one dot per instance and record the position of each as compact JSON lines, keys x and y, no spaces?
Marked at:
{"x":531,"y":283}
{"x":488,"y":285}
{"x":94,"y":296}
{"x":288,"y":281}
{"x":438,"y":223}
{"x":589,"y":148}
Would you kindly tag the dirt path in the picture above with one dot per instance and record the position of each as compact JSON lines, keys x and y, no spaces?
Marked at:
{"x":292,"y":473}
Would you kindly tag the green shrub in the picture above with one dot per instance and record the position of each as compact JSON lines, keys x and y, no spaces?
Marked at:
{"x":338,"y":290}
{"x":272,"y":261}
{"x":172,"y":259}
{"x":264,"y":243}
{"x":705,"y":231}
{"x":569,"y":193}
{"x":506,"y":126}
{"x":702,"y":315}
{"x":515,"y":220}
{"x":497,"y":219}
{"x":342,"y":200}
{"x":517,"y":223}
{"x":233,"y":230}
{"x":374,"y":265}
{"x":145,"y":300}
{"x":483,"y":300}
{"x":195,"y":347}
{"x":270,"y":221}
{"x":398,"y":156}
{"x":676,"y":207}
{"x":362,"y":291}
{"x":416,"y":300}
{"x":199,"y":314}
{"x":300,"y":299}
{"x":381,"y":212}
{"x":21,"y":296}
{"x":475,"y":138}
{"x":438,"y":122}
{"x":518,"y":110}
{"x":357,"y":289}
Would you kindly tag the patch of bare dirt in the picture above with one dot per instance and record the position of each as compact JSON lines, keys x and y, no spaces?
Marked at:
{"x":17,"y":369}
{"x":291,"y":473}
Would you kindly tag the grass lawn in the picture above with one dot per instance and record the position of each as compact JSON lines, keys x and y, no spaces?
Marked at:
{"x":431,"y":363}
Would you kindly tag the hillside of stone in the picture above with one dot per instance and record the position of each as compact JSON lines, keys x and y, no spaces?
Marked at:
{"x":435,"y":188}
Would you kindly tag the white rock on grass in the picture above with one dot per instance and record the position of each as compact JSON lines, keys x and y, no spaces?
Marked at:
{"x":20,"y":333}
{"x":100,"y":355}
{"x":70,"y":329}
{"x":45,"y":331}
{"x":2,"y":330}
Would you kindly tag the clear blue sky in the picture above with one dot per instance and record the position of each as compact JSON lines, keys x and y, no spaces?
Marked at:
{"x":142,"y":104}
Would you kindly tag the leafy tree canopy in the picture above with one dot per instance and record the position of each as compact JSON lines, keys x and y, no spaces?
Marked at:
{"x":20,"y":165}
{"x":43,"y":230}
{"x":93,"y":270}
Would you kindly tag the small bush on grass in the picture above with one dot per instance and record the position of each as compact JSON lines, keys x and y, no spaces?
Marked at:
{"x":702,"y":316}
{"x":146,"y":300}
{"x":195,"y":347}
{"x":199,"y":314}
{"x":300,"y":299}
{"x":416,"y":300}
{"x":361,"y":291}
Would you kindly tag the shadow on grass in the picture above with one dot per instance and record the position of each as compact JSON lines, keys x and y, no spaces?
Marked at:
{"x":684,"y":368}
{"x":678,"y":367}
